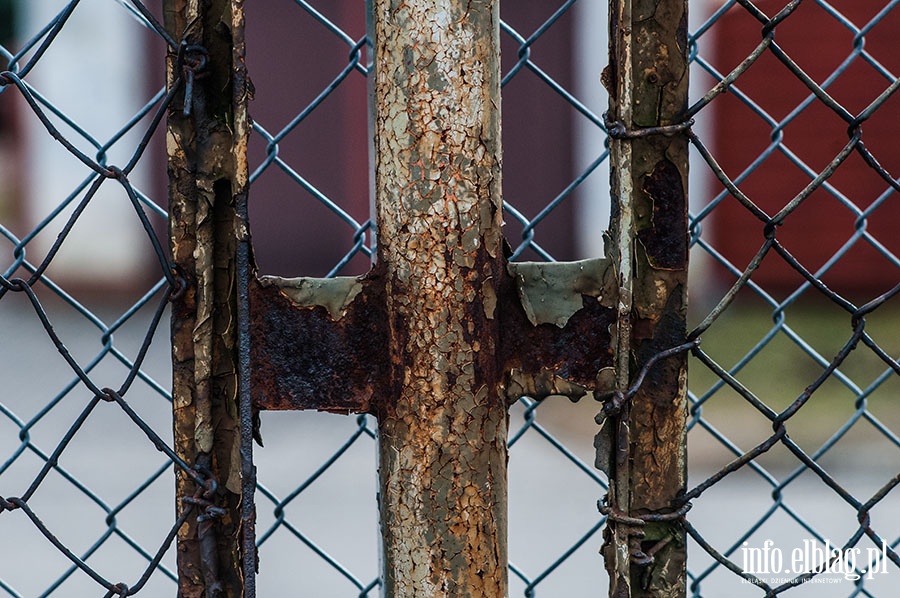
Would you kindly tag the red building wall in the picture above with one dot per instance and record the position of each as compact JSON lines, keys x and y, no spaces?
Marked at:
{"x":822,"y":224}
{"x":292,"y":58}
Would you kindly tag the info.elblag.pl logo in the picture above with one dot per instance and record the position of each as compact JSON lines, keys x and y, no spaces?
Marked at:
{"x":850,"y":563}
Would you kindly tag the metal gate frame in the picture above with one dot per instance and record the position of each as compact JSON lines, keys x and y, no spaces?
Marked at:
{"x":244,"y":342}
{"x":441,"y":301}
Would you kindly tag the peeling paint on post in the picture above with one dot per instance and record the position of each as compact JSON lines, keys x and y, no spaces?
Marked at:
{"x":206,"y":142}
{"x":437,"y":181}
{"x":442,"y":335}
{"x":647,"y":80}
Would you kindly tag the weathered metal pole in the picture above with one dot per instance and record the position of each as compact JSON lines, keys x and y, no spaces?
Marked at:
{"x":443,"y":451}
{"x":442,"y":335}
{"x":206,"y":142}
{"x":648,"y":80}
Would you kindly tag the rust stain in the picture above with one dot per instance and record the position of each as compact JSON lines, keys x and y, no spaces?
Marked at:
{"x":643,"y":446}
{"x":665,"y":240}
{"x":443,"y":435}
{"x":206,"y":154}
{"x":660,"y":421}
{"x":302,"y":358}
{"x":576,"y":353}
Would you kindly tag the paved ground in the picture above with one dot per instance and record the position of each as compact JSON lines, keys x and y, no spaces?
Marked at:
{"x":552,"y":502}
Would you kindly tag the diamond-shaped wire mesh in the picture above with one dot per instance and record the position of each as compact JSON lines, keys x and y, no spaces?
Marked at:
{"x":794,"y":272}
{"x":792,"y":449}
{"x":86,"y":407}
{"x":298,"y":520}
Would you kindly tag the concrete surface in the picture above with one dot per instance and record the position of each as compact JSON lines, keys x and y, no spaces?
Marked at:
{"x":552,"y":502}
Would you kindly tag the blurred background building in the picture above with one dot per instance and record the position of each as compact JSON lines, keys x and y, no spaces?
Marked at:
{"x":778,"y":139}
{"x":552,"y":143}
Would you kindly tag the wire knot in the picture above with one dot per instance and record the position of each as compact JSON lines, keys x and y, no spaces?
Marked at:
{"x":193,"y":59}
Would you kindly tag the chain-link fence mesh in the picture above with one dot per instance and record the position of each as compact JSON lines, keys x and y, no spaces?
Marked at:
{"x":86,"y":408}
{"x":298,"y":523}
{"x":794,"y":279}
{"x":793,"y":385}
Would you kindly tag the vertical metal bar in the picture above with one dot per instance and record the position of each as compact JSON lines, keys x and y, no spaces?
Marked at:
{"x":242,"y":126}
{"x":648,"y":80}
{"x":618,"y":561}
{"x":206,"y":145}
{"x":437,"y":183}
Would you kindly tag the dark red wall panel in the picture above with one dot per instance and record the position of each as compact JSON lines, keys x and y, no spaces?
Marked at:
{"x":819,"y":44}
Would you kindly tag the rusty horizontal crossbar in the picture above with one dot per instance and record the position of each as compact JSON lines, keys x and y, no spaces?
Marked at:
{"x":321,"y":344}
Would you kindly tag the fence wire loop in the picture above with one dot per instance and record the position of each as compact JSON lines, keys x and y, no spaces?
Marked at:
{"x":192,"y":59}
{"x":616,"y":129}
{"x":178,"y":289}
{"x":613,"y":401}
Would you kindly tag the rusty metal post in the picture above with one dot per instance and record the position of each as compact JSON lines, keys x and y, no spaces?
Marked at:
{"x":206,"y":142}
{"x":647,"y":80}
{"x":442,"y":335}
{"x":437,"y":179}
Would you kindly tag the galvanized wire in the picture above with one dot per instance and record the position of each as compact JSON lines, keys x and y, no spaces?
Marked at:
{"x":746,"y":284}
{"x":91,"y":386}
{"x":28,"y":279}
{"x":526,"y":422}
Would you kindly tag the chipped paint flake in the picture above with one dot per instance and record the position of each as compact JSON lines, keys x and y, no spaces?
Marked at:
{"x":334,"y":294}
{"x":552,"y":292}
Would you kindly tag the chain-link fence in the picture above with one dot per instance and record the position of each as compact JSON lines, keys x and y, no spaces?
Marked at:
{"x":306,"y":158}
{"x":86,"y":408}
{"x":792,"y":382}
{"x":76,"y":557}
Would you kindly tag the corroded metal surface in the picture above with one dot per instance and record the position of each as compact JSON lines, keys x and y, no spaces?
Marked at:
{"x":206,"y":146}
{"x":643,"y":446}
{"x":305,"y":356}
{"x":437,"y":183}
{"x":555,"y":329}
{"x":443,"y":334}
